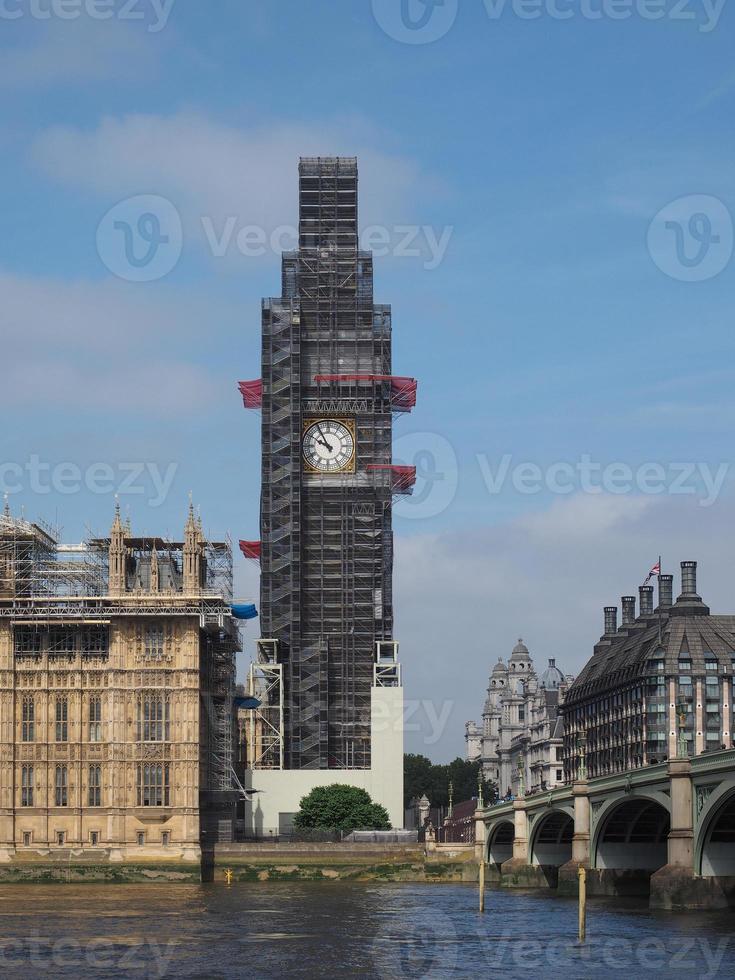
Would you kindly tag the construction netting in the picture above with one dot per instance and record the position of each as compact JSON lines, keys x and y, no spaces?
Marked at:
{"x":251,"y":550}
{"x":403,"y":478}
{"x":252,"y":393}
{"x":244,"y":611}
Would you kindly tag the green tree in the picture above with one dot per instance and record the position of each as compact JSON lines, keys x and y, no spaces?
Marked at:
{"x":421,"y":776}
{"x":340,"y":807}
{"x":417,"y":777}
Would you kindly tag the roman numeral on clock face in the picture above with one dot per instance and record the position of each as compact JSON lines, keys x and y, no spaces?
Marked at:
{"x":329,"y":446}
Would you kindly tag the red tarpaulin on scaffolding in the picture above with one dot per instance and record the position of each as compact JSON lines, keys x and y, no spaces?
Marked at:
{"x":252,"y":393}
{"x":251,"y":549}
{"x":403,"y":390}
{"x":403,"y":393}
{"x":403,"y":477}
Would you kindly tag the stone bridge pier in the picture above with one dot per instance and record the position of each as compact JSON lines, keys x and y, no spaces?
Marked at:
{"x":666,"y":832}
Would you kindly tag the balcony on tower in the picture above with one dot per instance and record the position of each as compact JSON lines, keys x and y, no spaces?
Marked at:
{"x":398,"y":392}
{"x":400,"y":479}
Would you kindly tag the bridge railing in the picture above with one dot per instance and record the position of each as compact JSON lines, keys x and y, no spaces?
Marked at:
{"x":706,"y":762}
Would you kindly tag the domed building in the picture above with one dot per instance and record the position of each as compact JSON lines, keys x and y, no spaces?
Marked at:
{"x":521,"y":727}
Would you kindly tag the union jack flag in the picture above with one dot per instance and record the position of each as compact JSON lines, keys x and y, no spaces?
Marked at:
{"x":656,"y":570}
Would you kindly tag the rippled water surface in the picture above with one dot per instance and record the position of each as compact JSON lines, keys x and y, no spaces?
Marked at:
{"x":344,"y":930}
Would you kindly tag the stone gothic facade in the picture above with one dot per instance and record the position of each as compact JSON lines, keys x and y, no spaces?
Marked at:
{"x":521,"y":731}
{"x":110,"y":660}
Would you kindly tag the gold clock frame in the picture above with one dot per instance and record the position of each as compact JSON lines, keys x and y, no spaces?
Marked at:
{"x":348,"y":424}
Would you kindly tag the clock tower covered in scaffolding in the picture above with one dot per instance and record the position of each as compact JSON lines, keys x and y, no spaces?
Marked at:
{"x":328,"y":399}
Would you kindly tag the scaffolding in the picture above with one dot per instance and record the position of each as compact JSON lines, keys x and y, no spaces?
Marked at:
{"x":57,"y":599}
{"x":326,"y":541}
{"x":264,"y":725}
{"x":401,"y":392}
{"x":34,"y":565}
{"x":218,"y":685}
{"x":387,"y":668}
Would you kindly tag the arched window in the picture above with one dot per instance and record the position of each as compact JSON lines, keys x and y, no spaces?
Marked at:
{"x":95,"y":786}
{"x":95,"y":718}
{"x":62,"y":719}
{"x":154,"y":717}
{"x":62,"y":786}
{"x":26,"y":788}
{"x":154,"y":641}
{"x":28,"y":721}
{"x":153,"y":784}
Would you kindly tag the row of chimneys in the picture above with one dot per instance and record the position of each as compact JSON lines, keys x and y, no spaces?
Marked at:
{"x":665,"y":597}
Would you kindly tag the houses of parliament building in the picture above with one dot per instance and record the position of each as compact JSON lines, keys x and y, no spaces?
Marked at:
{"x":116,"y":679}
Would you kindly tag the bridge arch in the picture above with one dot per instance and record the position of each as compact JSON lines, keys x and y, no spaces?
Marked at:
{"x":500,"y":842}
{"x":551,"y":838}
{"x":632,"y":833}
{"x":715,"y":844}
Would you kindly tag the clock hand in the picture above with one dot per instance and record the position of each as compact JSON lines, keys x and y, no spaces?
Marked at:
{"x":323,"y":439}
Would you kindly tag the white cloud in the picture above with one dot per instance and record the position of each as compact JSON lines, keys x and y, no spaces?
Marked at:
{"x":105,"y":346}
{"x":462,"y":599}
{"x":82,"y":50}
{"x":207,"y":168}
{"x":159,"y":388}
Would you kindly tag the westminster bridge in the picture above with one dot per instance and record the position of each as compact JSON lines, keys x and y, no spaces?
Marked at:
{"x":667,"y":831}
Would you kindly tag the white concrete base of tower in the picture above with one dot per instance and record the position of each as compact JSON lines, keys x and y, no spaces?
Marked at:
{"x":280,"y":791}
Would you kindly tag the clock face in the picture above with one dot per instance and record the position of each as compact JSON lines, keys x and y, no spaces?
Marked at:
{"x":329,"y":446}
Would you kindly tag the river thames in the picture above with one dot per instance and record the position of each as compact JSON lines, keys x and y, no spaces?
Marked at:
{"x":343,"y":930}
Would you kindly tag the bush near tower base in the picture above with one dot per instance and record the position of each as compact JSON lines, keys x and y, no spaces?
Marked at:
{"x":340,"y":807}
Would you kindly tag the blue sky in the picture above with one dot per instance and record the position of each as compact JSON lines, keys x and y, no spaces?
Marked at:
{"x":578,"y":172}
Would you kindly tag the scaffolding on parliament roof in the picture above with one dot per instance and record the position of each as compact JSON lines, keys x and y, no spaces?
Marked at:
{"x":37,"y":568}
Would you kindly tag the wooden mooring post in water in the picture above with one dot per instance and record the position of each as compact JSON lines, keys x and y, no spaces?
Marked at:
{"x":582,"y":875}
{"x":482,"y":884}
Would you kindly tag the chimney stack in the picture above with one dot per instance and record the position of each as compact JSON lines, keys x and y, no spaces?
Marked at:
{"x":689,"y":578}
{"x":689,"y":603}
{"x":665,"y":591}
{"x":646,"y":604}
{"x":611,"y":620}
{"x":628,"y":602}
